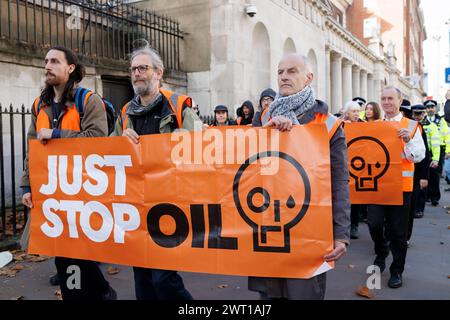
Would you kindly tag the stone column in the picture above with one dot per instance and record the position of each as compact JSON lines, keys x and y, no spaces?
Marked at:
{"x":356,"y":85}
{"x":346,"y":81}
{"x":370,"y":94}
{"x":336,"y":82}
{"x":363,"y":85}
{"x":377,"y":86}
{"x":328,"y":74}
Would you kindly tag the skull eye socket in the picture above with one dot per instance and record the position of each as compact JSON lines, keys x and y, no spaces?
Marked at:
{"x":358,"y":163}
{"x":251,"y":196}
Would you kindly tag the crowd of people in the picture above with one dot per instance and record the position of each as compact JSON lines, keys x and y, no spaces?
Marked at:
{"x":153,"y":111}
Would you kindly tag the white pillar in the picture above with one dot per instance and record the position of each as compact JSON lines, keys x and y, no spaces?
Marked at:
{"x":363,"y":86}
{"x":370,"y":87}
{"x":328,"y":74}
{"x":356,"y":85}
{"x":377,"y":90}
{"x":346,"y":82}
{"x":336,"y":82}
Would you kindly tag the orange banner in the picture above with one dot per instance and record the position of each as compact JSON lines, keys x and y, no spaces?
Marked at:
{"x":242,"y":201}
{"x":375,"y":163}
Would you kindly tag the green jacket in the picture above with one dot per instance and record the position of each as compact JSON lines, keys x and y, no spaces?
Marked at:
{"x":434,"y":138}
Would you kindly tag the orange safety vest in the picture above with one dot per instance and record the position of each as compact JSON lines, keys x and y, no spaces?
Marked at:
{"x":176,"y":103}
{"x":407,"y":166}
{"x":332,"y":123}
{"x":329,"y":120}
{"x":70,"y":120}
{"x":265,"y":117}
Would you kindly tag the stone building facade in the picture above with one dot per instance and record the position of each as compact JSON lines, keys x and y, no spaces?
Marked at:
{"x":230,"y":57}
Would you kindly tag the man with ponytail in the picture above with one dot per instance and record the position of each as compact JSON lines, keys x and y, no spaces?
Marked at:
{"x":55,"y":115}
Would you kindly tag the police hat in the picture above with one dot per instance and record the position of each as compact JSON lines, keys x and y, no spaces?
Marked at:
{"x":406,"y":107}
{"x":406,"y":103}
{"x":221,"y":107}
{"x":360,"y":101}
{"x":430,"y":103}
{"x":418,"y":108}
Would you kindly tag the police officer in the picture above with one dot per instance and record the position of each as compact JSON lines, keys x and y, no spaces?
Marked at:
{"x":434,"y":145}
{"x":421,"y":170}
{"x":434,"y":194}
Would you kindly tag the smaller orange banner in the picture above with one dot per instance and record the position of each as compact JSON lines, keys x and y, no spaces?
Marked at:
{"x":375,"y":163}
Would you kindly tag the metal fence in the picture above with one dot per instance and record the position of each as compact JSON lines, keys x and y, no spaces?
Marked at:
{"x":94,"y":28}
{"x":209,"y":120}
{"x":13,"y":142}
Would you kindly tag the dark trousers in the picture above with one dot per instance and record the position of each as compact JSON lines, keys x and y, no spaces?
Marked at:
{"x":413,"y":206}
{"x":93,"y":285}
{"x":355,"y":211}
{"x":421,"y":197}
{"x":434,"y":193}
{"x":392,"y":221}
{"x":153,"y":284}
{"x":363,"y":212}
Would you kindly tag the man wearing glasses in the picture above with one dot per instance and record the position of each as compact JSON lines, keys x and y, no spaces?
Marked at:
{"x":262,"y":115}
{"x":153,"y":111}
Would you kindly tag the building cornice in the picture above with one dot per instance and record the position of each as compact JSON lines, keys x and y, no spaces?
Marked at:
{"x":347,"y":36}
{"x":324,"y":6}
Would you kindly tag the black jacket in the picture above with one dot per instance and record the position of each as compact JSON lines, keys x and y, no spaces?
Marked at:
{"x":447,"y":111}
{"x":421,"y":169}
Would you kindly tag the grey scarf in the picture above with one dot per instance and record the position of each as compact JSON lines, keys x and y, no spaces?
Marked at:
{"x":293,"y":106}
{"x":135,"y":107}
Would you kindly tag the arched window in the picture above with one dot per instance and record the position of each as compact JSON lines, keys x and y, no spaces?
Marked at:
{"x":260,"y":60}
{"x":289,"y":46}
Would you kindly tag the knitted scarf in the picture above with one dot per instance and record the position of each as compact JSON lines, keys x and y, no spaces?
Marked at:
{"x":293,"y":106}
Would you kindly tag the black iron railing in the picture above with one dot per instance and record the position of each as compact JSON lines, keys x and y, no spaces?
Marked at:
{"x":94,"y":28}
{"x":13,"y":144}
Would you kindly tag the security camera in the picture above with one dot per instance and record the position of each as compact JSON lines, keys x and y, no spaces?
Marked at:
{"x":251,"y":10}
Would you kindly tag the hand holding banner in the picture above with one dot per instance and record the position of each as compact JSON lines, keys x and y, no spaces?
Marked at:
{"x":228,"y":201}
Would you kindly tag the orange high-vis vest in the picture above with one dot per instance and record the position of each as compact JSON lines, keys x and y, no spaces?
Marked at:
{"x":70,"y":120}
{"x":332,"y":123}
{"x":176,"y":103}
{"x":265,"y":117}
{"x":407,"y":166}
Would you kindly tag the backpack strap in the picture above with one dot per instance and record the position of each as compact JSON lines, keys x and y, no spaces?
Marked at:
{"x":82,"y":96}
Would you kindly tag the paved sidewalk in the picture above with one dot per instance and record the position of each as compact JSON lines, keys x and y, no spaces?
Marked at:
{"x":425,"y":277}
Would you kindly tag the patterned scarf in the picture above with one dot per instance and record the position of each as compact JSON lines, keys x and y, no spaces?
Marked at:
{"x":293,"y":106}
{"x":135,"y":108}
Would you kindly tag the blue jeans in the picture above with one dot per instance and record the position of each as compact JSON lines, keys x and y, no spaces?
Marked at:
{"x":153,"y":284}
{"x":447,"y":168}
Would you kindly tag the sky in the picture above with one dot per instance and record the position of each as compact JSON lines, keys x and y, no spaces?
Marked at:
{"x":436,"y":14}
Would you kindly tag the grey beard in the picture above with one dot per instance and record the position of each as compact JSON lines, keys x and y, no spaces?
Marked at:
{"x":142,"y":91}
